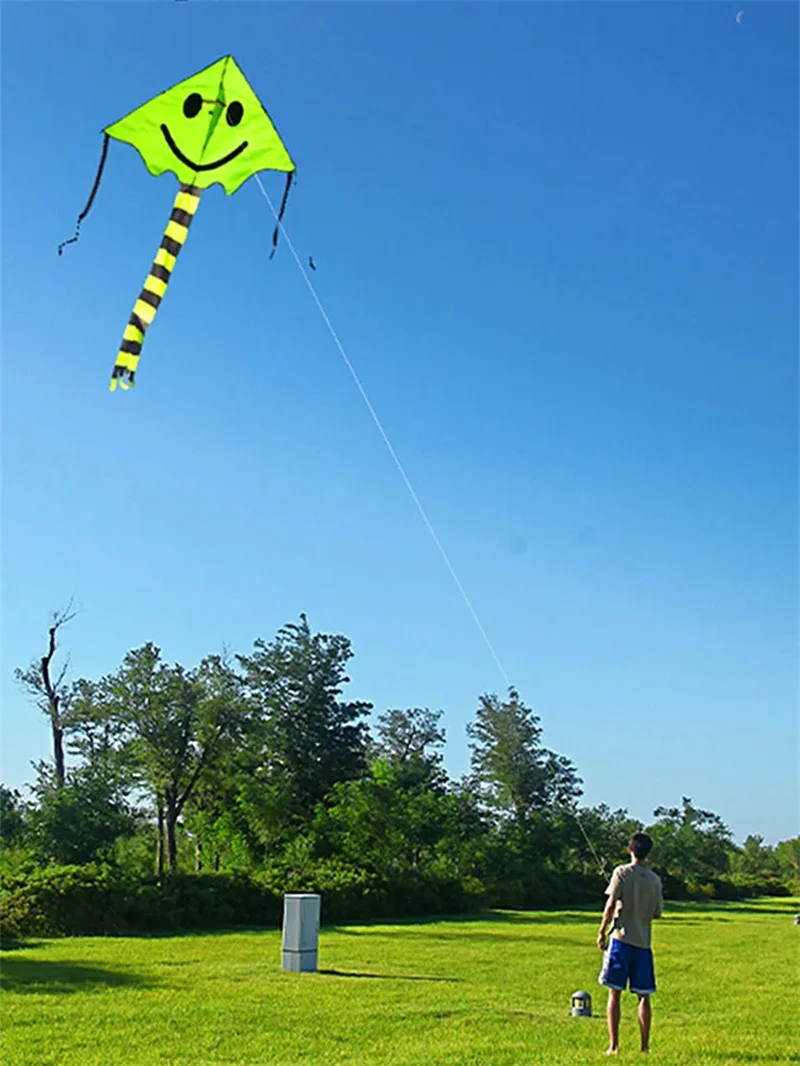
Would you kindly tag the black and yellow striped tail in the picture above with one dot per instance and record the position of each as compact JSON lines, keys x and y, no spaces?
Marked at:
{"x":155,"y":286}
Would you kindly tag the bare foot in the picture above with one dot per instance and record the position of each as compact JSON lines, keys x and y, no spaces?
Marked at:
{"x":612,"y":1051}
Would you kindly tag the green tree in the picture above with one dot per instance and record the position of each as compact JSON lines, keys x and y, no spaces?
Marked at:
{"x":169,"y":726}
{"x":13,"y":812}
{"x":517,"y":774}
{"x":690,"y":844}
{"x":384,"y":821}
{"x":79,"y":820}
{"x":787,"y":853}
{"x":595,"y":839}
{"x":98,"y":735}
{"x":412,"y":741}
{"x":463,"y":846}
{"x":755,"y":859}
{"x":309,"y":738}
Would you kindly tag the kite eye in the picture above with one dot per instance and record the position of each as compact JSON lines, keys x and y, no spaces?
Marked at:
{"x":192,"y":105}
{"x":234,"y":114}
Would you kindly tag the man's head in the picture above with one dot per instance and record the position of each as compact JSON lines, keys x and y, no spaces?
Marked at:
{"x":640,"y":845}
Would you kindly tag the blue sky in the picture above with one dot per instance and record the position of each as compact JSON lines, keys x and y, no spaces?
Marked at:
{"x":560,"y":245}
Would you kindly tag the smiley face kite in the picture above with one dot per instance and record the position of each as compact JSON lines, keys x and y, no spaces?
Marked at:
{"x":210,"y":128}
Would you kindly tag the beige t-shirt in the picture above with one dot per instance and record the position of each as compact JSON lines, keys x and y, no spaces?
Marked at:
{"x":637,"y":890}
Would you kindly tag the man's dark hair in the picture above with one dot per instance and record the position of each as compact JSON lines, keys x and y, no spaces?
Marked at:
{"x":640,"y":845}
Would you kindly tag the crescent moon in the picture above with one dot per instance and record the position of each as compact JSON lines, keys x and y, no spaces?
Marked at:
{"x":739,"y":16}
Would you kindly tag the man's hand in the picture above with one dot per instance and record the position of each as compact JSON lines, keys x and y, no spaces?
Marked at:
{"x":601,"y":940}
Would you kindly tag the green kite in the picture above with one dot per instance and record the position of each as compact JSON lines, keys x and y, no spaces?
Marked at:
{"x":209,"y":128}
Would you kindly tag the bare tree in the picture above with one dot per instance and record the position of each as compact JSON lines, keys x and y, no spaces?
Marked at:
{"x":49,"y":690}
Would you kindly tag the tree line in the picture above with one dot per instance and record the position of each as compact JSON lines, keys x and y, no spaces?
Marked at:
{"x":257,"y":761}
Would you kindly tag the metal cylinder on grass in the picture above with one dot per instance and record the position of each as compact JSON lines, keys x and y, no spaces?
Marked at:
{"x":581,"y":1005}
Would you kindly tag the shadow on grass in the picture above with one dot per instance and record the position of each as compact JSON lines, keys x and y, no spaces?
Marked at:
{"x":496,"y":939}
{"x":748,"y":1056}
{"x":58,"y":978}
{"x":579,"y":917}
{"x":389,"y":976}
{"x":704,"y":919}
{"x":754,"y":909}
{"x":574,"y":915}
{"x":11,"y":943}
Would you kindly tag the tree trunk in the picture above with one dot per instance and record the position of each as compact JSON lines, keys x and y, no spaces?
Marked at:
{"x":198,"y":855}
{"x":171,"y":820}
{"x":160,"y":842}
{"x":216,"y":862}
{"x":58,"y":752}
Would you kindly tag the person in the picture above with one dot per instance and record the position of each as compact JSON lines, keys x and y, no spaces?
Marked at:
{"x":634,"y":899}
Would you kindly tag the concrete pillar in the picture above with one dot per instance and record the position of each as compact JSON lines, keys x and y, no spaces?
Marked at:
{"x":300,"y":931}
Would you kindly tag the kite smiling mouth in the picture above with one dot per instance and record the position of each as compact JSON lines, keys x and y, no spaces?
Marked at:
{"x":199,"y":166}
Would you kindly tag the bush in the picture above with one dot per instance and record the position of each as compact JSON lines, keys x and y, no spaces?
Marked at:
{"x":91,"y":900}
{"x":546,"y":887}
{"x":701,"y":892}
{"x":673,"y":887}
{"x":743,"y":887}
{"x":507,"y":895}
{"x":60,"y":901}
{"x":16,"y":860}
{"x":99,"y":899}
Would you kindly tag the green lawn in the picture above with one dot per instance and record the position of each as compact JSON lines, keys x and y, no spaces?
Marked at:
{"x":492,"y":991}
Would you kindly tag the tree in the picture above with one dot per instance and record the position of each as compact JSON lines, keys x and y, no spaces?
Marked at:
{"x":383,"y":821}
{"x":13,"y":814}
{"x":788,"y":855}
{"x":79,"y":820}
{"x":517,"y":774}
{"x":49,"y":691}
{"x":309,"y":738}
{"x":412,"y":740}
{"x":755,"y":859}
{"x":173,"y":724}
{"x":690,"y":844}
{"x":595,"y":839}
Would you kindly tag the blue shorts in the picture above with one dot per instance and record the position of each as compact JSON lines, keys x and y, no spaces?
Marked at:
{"x":624,"y":962}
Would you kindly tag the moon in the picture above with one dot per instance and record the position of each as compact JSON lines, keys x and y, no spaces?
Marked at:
{"x":739,"y":16}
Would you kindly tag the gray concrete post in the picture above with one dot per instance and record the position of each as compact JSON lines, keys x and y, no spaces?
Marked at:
{"x":300,"y":931}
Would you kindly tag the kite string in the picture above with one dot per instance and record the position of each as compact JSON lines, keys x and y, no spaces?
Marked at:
{"x":386,"y":440}
{"x":400,"y":467}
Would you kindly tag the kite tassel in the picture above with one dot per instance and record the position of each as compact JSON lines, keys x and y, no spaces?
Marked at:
{"x":90,"y":201}
{"x":279,"y":219}
{"x":155,"y":286}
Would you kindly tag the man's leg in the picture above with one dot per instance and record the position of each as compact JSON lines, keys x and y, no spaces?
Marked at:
{"x":612,"y":1013}
{"x":644,"y":1021}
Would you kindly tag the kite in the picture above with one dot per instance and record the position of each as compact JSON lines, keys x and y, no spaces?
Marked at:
{"x":209,"y":128}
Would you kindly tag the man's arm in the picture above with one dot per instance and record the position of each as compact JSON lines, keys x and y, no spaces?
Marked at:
{"x":659,"y":903}
{"x":608,"y":914}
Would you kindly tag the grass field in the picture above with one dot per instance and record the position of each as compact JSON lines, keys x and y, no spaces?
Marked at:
{"x":489,"y":991}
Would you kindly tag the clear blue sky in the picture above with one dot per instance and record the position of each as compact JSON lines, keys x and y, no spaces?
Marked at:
{"x":559,"y":243}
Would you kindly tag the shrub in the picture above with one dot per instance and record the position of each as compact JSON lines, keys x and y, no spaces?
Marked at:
{"x":701,"y":892}
{"x":90,"y":900}
{"x":97,"y":899}
{"x":61,"y":901}
{"x":744,"y":887}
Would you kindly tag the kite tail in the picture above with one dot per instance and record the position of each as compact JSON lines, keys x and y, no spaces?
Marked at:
{"x":279,"y":217}
{"x":90,"y":201}
{"x":155,"y":286}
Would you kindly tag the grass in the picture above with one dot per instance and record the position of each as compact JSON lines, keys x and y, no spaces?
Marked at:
{"x":489,"y":991}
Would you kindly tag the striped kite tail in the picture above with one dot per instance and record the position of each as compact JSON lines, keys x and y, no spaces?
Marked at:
{"x":155,"y":286}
